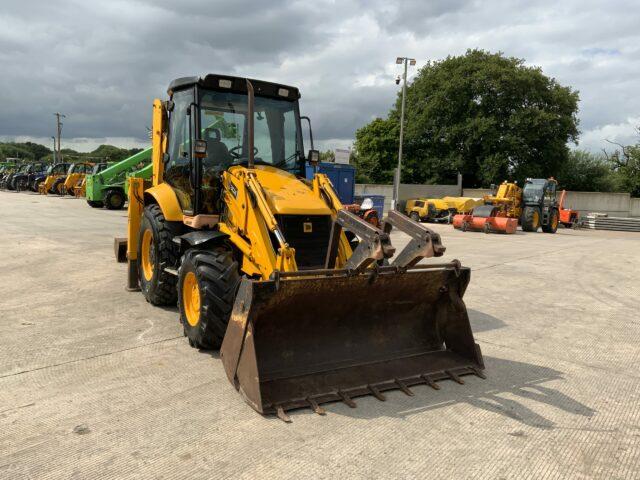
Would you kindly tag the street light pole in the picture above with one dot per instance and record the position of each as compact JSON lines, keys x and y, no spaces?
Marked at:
{"x":54,"y":149}
{"x":396,"y":178}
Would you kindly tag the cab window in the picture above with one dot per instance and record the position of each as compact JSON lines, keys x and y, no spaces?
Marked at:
{"x":178,"y":167}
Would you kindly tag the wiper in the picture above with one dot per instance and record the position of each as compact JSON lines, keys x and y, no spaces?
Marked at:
{"x":284,"y":162}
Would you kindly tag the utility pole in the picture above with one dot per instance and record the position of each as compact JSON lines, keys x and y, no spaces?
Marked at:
{"x":59,"y":130}
{"x":396,"y":177}
{"x":54,"y":149}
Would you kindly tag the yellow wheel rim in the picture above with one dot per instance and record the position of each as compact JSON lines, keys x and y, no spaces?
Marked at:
{"x":554,"y":221}
{"x":536,"y":219}
{"x":147,"y":255}
{"x":191,"y":298}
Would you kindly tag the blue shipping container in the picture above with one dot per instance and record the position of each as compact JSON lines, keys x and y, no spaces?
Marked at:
{"x":378,"y":202}
{"x":342,"y":176}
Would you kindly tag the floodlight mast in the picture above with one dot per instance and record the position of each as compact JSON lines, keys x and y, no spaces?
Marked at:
{"x":396,"y":177}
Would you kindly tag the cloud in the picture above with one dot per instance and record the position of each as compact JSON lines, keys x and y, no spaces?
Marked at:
{"x":102,"y":62}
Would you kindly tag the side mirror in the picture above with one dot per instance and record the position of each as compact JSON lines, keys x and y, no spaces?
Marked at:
{"x":314,"y":157}
{"x":200,"y":148}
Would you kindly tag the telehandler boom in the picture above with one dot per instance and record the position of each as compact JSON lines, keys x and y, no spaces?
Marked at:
{"x":260,"y":263}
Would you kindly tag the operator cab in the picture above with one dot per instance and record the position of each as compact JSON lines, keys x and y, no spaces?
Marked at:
{"x":212,"y":111}
{"x":539,"y":190}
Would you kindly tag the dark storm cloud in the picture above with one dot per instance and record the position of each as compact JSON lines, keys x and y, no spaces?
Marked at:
{"x":102,"y":62}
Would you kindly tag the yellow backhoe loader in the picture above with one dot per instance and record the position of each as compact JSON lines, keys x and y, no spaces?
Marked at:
{"x":307,"y":302}
{"x":75,"y":176}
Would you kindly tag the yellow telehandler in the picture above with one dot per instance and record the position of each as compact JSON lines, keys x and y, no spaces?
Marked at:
{"x":307,"y":302}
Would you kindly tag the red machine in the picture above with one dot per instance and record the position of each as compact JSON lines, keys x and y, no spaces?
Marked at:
{"x":485,"y":218}
{"x":568,"y":217}
{"x":365,"y":211}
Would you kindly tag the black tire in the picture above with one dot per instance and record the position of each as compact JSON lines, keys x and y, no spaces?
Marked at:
{"x":218,"y":278}
{"x":552,"y":225}
{"x":34,"y":186}
{"x":415,"y":216}
{"x":71,"y":192}
{"x":465,"y":226}
{"x":93,"y":204}
{"x":530,"y":219}
{"x":114,"y":199}
{"x":160,"y":287}
{"x":57,"y":186}
{"x":11,"y":184}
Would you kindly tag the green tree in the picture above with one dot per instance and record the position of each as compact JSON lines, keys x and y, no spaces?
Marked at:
{"x":376,"y":151}
{"x":484,"y":115}
{"x":587,"y":172}
{"x":626,"y":165}
{"x":327,"y":156}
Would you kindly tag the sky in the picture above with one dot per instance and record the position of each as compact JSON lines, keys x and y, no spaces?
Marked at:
{"x":102,"y":62}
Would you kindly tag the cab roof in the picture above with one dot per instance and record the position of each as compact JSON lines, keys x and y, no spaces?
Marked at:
{"x":226,"y":83}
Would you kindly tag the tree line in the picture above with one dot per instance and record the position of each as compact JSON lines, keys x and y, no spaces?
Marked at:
{"x":491,"y":118}
{"x":30,"y":151}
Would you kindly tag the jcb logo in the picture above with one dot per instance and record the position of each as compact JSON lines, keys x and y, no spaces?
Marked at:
{"x":307,"y":227}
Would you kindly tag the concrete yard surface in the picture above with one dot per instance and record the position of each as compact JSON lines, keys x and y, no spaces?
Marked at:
{"x":97,"y":383}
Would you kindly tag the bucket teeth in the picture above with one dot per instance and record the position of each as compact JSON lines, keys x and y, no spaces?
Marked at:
{"x":315,"y":407}
{"x":403,"y":387}
{"x":347,"y":399}
{"x":430,"y":382}
{"x":282,"y":415}
{"x":376,"y":393}
{"x":479,"y":373}
{"x":454,"y":377}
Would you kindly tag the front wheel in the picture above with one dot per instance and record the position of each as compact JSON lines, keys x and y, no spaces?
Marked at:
{"x":94,"y":204}
{"x":114,"y":200}
{"x":552,"y":225}
{"x":415,"y":217}
{"x":156,"y":251}
{"x":530,"y":219}
{"x":208,"y":281}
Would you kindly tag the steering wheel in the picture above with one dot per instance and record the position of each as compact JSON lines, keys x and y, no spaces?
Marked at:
{"x":235,"y":151}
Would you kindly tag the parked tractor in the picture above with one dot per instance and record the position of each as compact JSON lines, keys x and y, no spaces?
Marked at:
{"x":540,"y":205}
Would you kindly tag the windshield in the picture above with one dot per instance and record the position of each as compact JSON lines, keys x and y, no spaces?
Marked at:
{"x":532,"y":193}
{"x":277,"y":140}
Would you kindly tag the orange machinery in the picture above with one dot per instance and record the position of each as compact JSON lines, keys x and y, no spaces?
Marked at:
{"x":499,"y":214}
{"x":568,"y":217}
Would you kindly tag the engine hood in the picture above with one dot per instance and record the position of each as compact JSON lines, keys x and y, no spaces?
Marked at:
{"x":288,"y":195}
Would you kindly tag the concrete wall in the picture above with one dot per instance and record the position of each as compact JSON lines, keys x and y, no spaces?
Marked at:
{"x":476,"y":192}
{"x":613,"y":204}
{"x":407,"y":192}
{"x":634,"y":211}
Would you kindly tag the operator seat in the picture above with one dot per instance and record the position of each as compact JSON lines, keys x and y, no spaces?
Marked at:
{"x":218,"y":156}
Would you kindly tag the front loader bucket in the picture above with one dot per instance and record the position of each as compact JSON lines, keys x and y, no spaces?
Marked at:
{"x":313,"y":337}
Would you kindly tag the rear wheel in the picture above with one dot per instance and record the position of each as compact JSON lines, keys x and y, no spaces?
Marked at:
{"x":114,"y":199}
{"x":34,"y":185}
{"x":552,"y":226}
{"x":415,"y":216}
{"x":70,"y":192}
{"x":207,"y":286}
{"x":94,"y":204}
{"x":530,"y":219}
{"x":156,"y":251}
